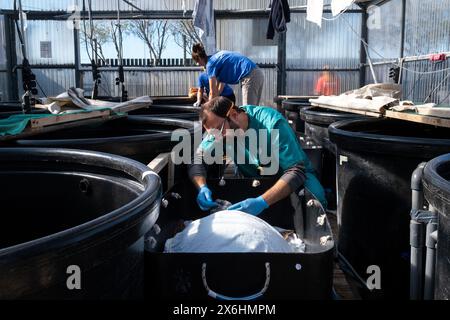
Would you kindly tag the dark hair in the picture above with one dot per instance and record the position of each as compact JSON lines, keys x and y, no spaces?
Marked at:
{"x":220,"y":106}
{"x":198,"y":52}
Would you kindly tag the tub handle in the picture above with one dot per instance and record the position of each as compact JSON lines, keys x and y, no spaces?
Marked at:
{"x":219,"y":296}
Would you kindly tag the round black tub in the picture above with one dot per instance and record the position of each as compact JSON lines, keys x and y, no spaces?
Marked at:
{"x":173,"y":100}
{"x":292,"y":108}
{"x":317,"y":120}
{"x":436,"y":184}
{"x":73,"y":217}
{"x":187,"y":112}
{"x":137,"y":137}
{"x":375,"y":161}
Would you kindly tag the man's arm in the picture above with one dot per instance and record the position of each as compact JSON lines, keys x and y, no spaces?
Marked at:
{"x":292,"y":179}
{"x":278,"y":192}
{"x":213,"y":88}
{"x":199,"y":181}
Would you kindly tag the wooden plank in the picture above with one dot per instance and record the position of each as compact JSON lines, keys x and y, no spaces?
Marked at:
{"x":434,"y":121}
{"x":160,"y":162}
{"x":362,"y":112}
{"x":297,"y":97}
{"x":64,"y":118}
{"x":28,"y":132}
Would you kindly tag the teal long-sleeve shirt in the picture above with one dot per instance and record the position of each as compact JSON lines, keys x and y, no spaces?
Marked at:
{"x":260,"y":159}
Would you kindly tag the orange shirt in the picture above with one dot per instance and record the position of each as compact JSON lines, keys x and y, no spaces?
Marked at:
{"x":327,"y":86}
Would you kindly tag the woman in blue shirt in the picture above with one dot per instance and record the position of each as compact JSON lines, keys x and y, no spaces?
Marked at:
{"x":203,"y":84}
{"x":226,"y":67}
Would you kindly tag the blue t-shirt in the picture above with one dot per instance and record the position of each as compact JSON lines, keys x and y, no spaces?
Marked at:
{"x":203,"y":82}
{"x":229,"y":67}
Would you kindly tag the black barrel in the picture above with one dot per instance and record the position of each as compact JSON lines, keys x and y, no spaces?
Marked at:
{"x":292,"y":108}
{"x":137,"y":137}
{"x":174,"y":100}
{"x":292,"y":276}
{"x":70,"y":218}
{"x":375,"y":161}
{"x":436,"y":184}
{"x":187,"y":112}
{"x":317,"y":120}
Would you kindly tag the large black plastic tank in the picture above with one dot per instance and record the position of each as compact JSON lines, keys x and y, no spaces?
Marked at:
{"x":292,"y":109}
{"x":74,"y":213}
{"x":289,"y":276}
{"x":436,"y":183}
{"x":137,"y":137}
{"x":173,"y":100}
{"x":187,"y":112}
{"x":375,"y":161}
{"x":317,"y":120}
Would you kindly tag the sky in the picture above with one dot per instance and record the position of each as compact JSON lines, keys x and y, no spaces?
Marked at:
{"x":134,"y":48}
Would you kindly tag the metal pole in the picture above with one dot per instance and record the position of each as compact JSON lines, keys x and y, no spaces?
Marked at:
{"x":402,"y":35}
{"x":22,"y":30}
{"x":281,"y":71}
{"x":362,"y":51}
{"x":11,"y":56}
{"x":76,"y":39}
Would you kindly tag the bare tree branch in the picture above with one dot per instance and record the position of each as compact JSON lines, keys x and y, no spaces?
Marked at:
{"x":154,"y":34}
{"x":185,"y":35}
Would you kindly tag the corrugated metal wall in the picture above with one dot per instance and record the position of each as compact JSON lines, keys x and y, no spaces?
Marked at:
{"x":4,"y":94}
{"x":169,"y":83}
{"x":427,"y":30}
{"x":60,"y":35}
{"x":381,"y":73}
{"x":384,"y":31}
{"x":2,"y":44}
{"x":246,"y":36}
{"x":52,"y":81}
{"x":108,"y":5}
{"x":304,"y":82}
{"x":434,"y":86}
{"x":139,"y":83}
{"x":418,"y":84}
{"x":334,"y":44}
{"x":427,"y":27}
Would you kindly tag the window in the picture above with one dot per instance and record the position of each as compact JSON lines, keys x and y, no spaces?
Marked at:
{"x":46,"y":49}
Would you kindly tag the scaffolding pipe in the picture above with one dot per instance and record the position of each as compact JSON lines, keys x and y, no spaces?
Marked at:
{"x":430,"y":264}
{"x":416,"y":235}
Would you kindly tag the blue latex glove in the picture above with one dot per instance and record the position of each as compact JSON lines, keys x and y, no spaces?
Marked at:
{"x":204,"y":199}
{"x":253,"y":206}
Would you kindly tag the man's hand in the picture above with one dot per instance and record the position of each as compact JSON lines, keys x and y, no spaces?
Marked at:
{"x":253,"y":206}
{"x":204,"y":199}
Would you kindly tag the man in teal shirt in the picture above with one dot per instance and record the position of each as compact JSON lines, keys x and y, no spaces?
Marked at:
{"x":218,"y":117}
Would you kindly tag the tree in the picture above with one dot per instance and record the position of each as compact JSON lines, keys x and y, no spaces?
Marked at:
{"x":154,"y":33}
{"x":185,"y":35}
{"x":95,"y":37}
{"x":126,"y":29}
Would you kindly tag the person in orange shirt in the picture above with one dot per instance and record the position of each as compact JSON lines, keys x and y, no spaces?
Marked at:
{"x":328,"y":84}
